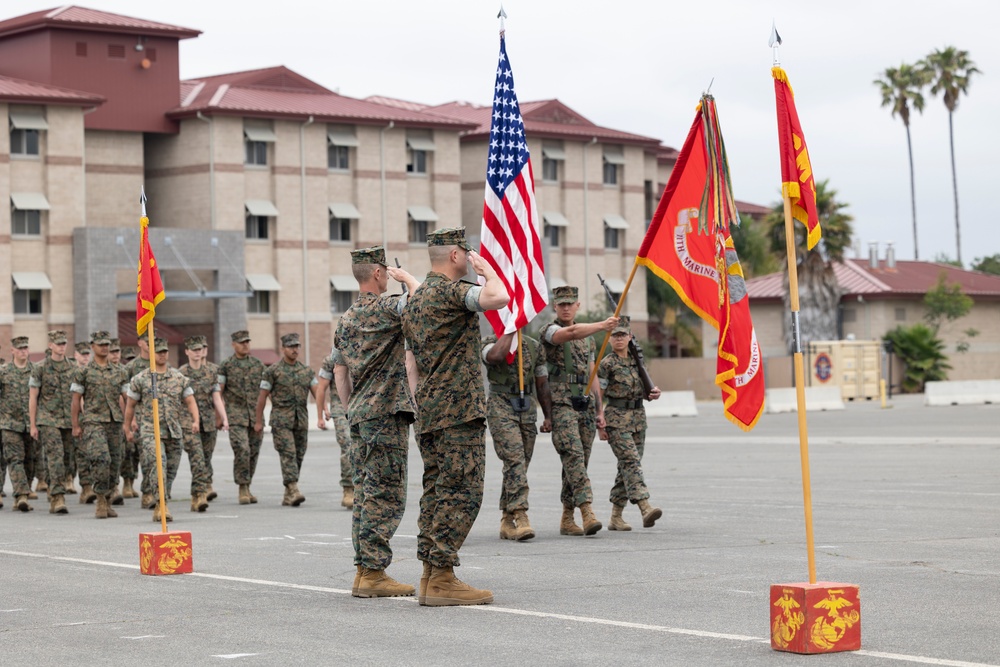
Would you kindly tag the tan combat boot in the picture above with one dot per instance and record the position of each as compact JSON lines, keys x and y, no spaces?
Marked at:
{"x":649,"y":513}
{"x":210,"y":493}
{"x":101,"y":511}
{"x":617,"y":522}
{"x":590,"y":523}
{"x":41,"y":486}
{"x":21,"y":503}
{"x":57,"y":505}
{"x":508,"y":531}
{"x":357,"y":581}
{"x":147,"y":501}
{"x":297,"y":497}
{"x":378,"y":584}
{"x":286,"y":500}
{"x":348,"y":499}
{"x":70,"y":489}
{"x":116,"y":497}
{"x":156,"y":513}
{"x":111,"y":513}
{"x":567,"y":526}
{"x":31,"y":495}
{"x":127,"y":490}
{"x":244,"y":494}
{"x":422,"y":596}
{"x":87,"y":495}
{"x":444,"y":589}
{"x":524,"y":531}
{"x":200,"y":503}
{"x":253,"y":498}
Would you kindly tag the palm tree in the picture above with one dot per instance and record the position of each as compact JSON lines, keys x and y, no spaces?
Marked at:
{"x":901,"y":88}
{"x":819,"y":291}
{"x":950,"y":71}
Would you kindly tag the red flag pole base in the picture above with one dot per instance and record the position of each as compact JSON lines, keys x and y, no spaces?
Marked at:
{"x":824,"y":617}
{"x":165,"y":553}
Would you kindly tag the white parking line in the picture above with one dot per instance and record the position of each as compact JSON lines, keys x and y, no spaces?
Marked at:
{"x":918,"y":659}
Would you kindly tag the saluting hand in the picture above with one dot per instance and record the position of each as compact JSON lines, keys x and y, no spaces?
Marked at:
{"x":480,"y":265}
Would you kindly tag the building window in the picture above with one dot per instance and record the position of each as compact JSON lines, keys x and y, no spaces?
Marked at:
{"x":25,"y":223}
{"x":256,"y":152}
{"x":650,"y":199}
{"x":341,"y":301}
{"x":27,"y":301}
{"x":259,"y":303}
{"x":610,"y":173}
{"x":340,"y":229}
{"x":550,"y":170}
{"x":611,"y":237}
{"x":116,"y":51}
{"x":552,"y":233}
{"x":418,"y":231}
{"x":900,"y":314}
{"x":257,"y":227}
{"x":23,"y":142}
{"x":338,"y":157}
{"x":417,"y":163}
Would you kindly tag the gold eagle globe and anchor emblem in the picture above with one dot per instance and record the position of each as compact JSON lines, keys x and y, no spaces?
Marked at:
{"x":827,"y":630}
{"x":787,"y":622}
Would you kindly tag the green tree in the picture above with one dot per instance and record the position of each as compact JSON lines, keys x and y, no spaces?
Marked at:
{"x":945,"y":258}
{"x":950,"y":71}
{"x":989,"y":264}
{"x":945,"y":302}
{"x":753,"y":247}
{"x":901,"y":88}
{"x":922,"y":354}
{"x":819,"y":292}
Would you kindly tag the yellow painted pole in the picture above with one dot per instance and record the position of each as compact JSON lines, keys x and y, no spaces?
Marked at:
{"x":520,"y":363}
{"x":800,"y":383}
{"x":607,"y":334}
{"x":156,"y":428}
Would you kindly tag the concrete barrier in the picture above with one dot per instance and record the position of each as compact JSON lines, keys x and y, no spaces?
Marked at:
{"x":962,"y":392}
{"x":672,"y":404}
{"x":817,"y":399}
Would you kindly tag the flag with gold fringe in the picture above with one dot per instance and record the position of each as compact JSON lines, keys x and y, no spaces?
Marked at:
{"x":149,"y":286}
{"x":796,"y":171}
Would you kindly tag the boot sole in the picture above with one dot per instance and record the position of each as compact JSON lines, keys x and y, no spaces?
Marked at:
{"x":368,"y":593}
{"x":648,"y":521}
{"x":570,"y":533}
{"x":119,"y":501}
{"x":527,"y":536}
{"x":592,"y":529}
{"x":212,"y":496}
{"x":622,"y":530}
{"x":61,"y":510}
{"x":452,"y":602}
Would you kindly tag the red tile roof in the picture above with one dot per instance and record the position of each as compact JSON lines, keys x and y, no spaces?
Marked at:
{"x":29,"y":92}
{"x":82,"y":18}
{"x":754,"y":210}
{"x":278,"y":92}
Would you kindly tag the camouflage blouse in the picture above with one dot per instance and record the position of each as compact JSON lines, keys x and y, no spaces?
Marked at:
{"x":204,"y":382}
{"x":620,"y":380}
{"x":289,"y":385}
{"x":561,"y":379}
{"x":240,"y":383}
{"x":14,"y":397}
{"x":55,"y":401}
{"x":101,"y":388}
{"x":172,"y":388}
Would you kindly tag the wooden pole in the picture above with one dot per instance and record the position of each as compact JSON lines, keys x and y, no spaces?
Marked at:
{"x":800,"y":389}
{"x":156,"y":428}
{"x":520,"y":364}
{"x":607,"y":334}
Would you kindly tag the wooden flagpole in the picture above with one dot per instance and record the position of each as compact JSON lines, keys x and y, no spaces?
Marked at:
{"x":607,"y":334}
{"x":156,"y":427}
{"x":520,"y":364}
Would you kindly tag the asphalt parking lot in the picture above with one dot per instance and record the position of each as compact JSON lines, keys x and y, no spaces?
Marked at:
{"x":906,"y":504}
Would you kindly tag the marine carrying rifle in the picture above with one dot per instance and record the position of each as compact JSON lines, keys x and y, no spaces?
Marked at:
{"x":634,"y":350}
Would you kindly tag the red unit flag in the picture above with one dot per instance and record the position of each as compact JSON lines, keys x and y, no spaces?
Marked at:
{"x":797,"y":181}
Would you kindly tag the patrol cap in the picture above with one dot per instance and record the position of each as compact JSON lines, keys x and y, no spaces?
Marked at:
{"x":241,"y":336}
{"x":565,"y":294}
{"x":448,"y":236}
{"x":19,"y":342}
{"x":372,"y":255}
{"x":116,"y":345}
{"x":290,"y":340}
{"x":194,"y":342}
{"x":57,"y":336}
{"x":160,"y":345}
{"x":100,"y":338}
{"x":82,"y":347}
{"x":129,"y":353}
{"x":623,"y":325}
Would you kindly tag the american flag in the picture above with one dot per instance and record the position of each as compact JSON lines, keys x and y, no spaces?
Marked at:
{"x":510,"y":239}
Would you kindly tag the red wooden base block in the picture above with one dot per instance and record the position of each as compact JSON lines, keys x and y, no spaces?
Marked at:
{"x":165,"y":553}
{"x":815,"y":618}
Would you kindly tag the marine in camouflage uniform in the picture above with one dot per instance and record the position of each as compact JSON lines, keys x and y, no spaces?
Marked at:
{"x":513,"y":424}
{"x":78,"y":462}
{"x":239,"y":378}
{"x":208,"y":395}
{"x":50,"y":409}
{"x":176,"y":398}
{"x":626,"y":428}
{"x":131,"y":462}
{"x":18,"y":445}
{"x":441,"y":324}
{"x":99,"y":386}
{"x":336,"y":412}
{"x":371,"y":374}
{"x":569,"y":353}
{"x":288,"y":382}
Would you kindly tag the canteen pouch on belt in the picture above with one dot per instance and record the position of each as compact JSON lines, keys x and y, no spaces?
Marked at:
{"x":580,"y":403}
{"x":520,"y":403}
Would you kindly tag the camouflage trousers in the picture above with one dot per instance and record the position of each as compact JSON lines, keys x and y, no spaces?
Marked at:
{"x":514,"y":442}
{"x":379,"y":448}
{"x":290,"y":443}
{"x":454,"y":471}
{"x":573,"y":437}
{"x":56,"y":443}
{"x":130,"y":461}
{"x":103,"y":446}
{"x":208,"y":439}
{"x":343,"y":430}
{"x":20,"y":452}
{"x":79,"y":463}
{"x":246,"y":450}
{"x":195,"y":451}
{"x":170,"y":456}
{"x":628,"y":446}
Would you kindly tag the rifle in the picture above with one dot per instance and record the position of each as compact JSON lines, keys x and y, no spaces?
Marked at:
{"x":634,"y":350}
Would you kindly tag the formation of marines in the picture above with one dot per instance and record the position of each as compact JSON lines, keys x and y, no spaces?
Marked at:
{"x":398,"y":361}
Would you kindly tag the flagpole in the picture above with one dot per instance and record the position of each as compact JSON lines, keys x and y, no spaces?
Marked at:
{"x":607,"y":334}
{"x":520,"y":365}
{"x":156,"y":426}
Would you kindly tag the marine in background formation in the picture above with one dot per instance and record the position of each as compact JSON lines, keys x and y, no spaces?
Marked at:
{"x":239,"y":379}
{"x":204,"y":378}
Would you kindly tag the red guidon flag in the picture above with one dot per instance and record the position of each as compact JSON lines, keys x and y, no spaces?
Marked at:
{"x":149,"y":287}
{"x":697,"y":258}
{"x":797,"y":182}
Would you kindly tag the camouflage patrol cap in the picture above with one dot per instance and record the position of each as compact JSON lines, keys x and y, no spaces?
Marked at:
{"x":372,"y":255}
{"x":565,"y":294}
{"x":241,"y":336}
{"x":57,"y":336}
{"x":160,"y":345}
{"x":194,"y":342}
{"x":448,"y":236}
{"x":129,"y":353}
{"x":623,"y":325}
{"x":100,"y":338}
{"x":116,"y":345}
{"x":82,"y":347}
{"x":19,"y":342}
{"x":290,"y":340}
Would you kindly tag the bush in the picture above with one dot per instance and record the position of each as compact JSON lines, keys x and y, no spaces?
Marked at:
{"x":922,"y":353}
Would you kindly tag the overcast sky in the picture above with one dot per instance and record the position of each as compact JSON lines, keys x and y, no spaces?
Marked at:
{"x":641,"y":67}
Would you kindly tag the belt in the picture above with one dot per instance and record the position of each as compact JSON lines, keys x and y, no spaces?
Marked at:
{"x":625,"y":403}
{"x":568,"y":379}
{"x":513,"y":391}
